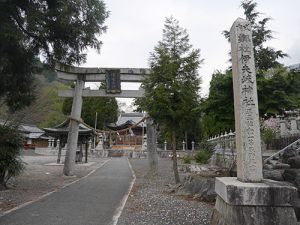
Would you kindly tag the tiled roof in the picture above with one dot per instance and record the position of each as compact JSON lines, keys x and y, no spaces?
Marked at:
{"x":132,"y":117}
{"x":25,"y":128}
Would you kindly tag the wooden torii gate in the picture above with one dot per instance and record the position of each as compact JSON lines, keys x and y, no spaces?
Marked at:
{"x":113,"y":78}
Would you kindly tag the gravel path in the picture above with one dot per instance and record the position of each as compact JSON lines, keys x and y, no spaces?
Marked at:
{"x":149,"y":203}
{"x":39,"y":179}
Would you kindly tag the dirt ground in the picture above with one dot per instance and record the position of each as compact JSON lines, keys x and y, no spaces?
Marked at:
{"x":40,"y":178}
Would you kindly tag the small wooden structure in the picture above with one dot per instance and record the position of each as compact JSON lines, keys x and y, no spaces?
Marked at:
{"x":33,"y":136}
{"x":61,"y":133}
{"x":132,"y":137}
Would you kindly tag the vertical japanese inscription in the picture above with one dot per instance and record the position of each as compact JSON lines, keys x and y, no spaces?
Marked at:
{"x":249,"y":160}
{"x":113,"y":81}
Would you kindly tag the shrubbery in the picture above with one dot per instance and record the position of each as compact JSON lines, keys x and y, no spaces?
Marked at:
{"x":206,"y":151}
{"x":10,"y":148}
{"x":203,"y":156}
{"x":187,"y":159}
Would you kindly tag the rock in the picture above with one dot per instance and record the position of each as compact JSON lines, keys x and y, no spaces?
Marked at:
{"x":268,"y":166}
{"x":281,"y":166}
{"x":201,"y":187}
{"x":290,"y":175}
{"x":294,"y":162}
{"x":273,"y":162}
{"x":288,"y":153}
{"x":173,"y":188}
{"x":273,"y":175}
{"x":297,"y":180}
{"x":185,"y":168}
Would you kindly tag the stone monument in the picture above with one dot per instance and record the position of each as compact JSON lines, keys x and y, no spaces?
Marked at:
{"x":248,"y":199}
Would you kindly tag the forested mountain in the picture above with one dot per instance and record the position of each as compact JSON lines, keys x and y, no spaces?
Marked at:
{"x":46,"y":110}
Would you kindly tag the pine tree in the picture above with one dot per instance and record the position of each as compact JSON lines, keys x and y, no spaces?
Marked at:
{"x":171,"y":91}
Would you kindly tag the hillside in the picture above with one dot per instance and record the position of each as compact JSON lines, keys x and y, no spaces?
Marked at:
{"x":46,"y":110}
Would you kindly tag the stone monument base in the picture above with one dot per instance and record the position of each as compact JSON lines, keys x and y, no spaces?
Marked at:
{"x":265,"y":203}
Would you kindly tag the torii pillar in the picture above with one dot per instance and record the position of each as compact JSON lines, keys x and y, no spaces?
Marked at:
{"x":69,"y":165}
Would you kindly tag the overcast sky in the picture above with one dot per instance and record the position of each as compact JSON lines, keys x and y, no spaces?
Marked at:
{"x":135,"y":27}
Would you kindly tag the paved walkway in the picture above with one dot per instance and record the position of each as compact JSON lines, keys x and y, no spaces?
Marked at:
{"x":91,"y":201}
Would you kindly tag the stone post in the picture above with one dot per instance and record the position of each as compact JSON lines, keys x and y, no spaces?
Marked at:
{"x":73,"y":129}
{"x":52,"y":143}
{"x":183,"y":145}
{"x":193,"y":146}
{"x":49,"y":143}
{"x":90,"y":145}
{"x":165,"y":145}
{"x":57,"y":143}
{"x":248,"y":199}
{"x":294,"y":128}
{"x":283,"y":129}
{"x":152,"y":147}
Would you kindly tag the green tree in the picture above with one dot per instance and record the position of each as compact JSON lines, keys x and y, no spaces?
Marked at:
{"x":106,"y":108}
{"x":218,"y":108}
{"x":272,"y":92}
{"x":56,"y":30}
{"x":10,"y":148}
{"x":171,"y":91}
{"x":265,"y":57}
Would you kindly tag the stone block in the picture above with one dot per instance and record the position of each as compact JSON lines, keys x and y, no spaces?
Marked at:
{"x":266,"y":203}
{"x":226,"y":214}
{"x":267,"y":193}
{"x":296,"y":205}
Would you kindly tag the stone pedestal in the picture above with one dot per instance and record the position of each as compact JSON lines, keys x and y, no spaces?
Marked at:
{"x":265,"y":203}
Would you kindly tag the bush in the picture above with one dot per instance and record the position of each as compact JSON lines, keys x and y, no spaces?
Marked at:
{"x":203,"y":156}
{"x":268,"y":135}
{"x":187,"y":159}
{"x":10,"y":149}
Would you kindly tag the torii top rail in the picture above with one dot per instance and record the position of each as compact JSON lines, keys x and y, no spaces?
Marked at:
{"x":132,"y":75}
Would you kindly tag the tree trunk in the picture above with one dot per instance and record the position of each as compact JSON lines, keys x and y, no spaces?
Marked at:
{"x":175,"y":168}
{"x":3,"y":180}
{"x":186,"y":140}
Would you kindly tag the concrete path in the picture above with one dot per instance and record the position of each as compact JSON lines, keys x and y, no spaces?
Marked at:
{"x":94,"y":200}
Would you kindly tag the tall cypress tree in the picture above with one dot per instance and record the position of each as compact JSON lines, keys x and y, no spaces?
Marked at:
{"x":171,"y":91}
